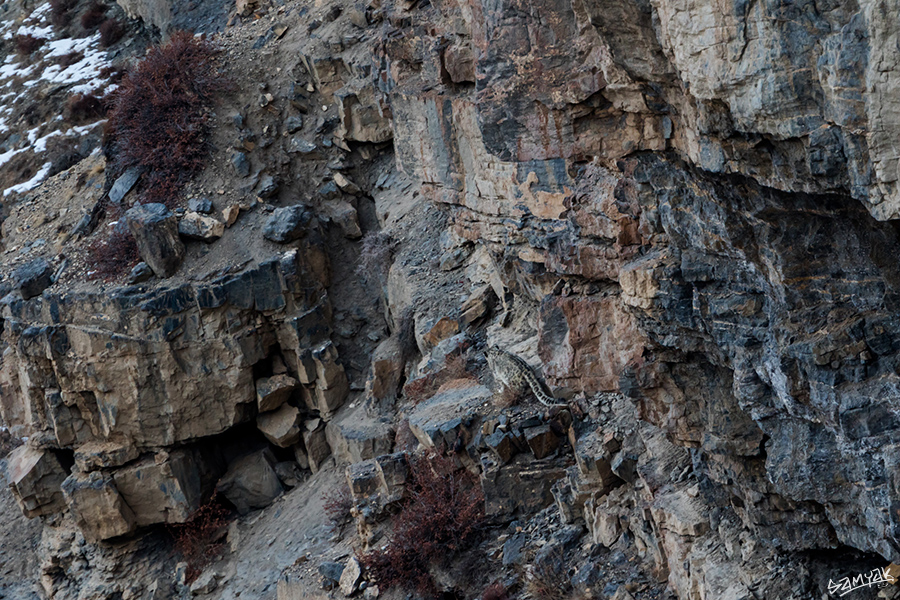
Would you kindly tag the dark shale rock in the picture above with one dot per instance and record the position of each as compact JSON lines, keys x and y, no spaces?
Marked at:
{"x":287,"y":224}
{"x":155,"y":230}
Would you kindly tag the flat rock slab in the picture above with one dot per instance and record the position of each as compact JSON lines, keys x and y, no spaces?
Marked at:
{"x":443,"y":417}
{"x":33,"y":278}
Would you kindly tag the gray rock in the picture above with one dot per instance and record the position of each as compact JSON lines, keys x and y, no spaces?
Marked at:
{"x":200,"y":205}
{"x":512,"y":550}
{"x":241,"y":164}
{"x":124,"y":184}
{"x":287,"y":224}
{"x":331,"y":571}
{"x":298,"y":145}
{"x":294,"y":124}
{"x":251,"y":482}
{"x":155,"y":230}
{"x":329,"y":191}
{"x":33,"y":278}
{"x":140,"y":273}
{"x":268,"y":186}
{"x":289,"y":473}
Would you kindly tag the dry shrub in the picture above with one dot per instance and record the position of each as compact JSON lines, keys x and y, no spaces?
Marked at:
{"x":27,"y":44}
{"x":93,"y":16}
{"x":159,"y":115}
{"x":67,"y":60}
{"x":198,"y":540}
{"x":59,"y":8}
{"x":81,"y":108}
{"x":111,"y":31}
{"x":423,"y":388}
{"x":112,"y":256}
{"x":547,"y":578}
{"x":337,"y":505}
{"x":441,"y":517}
{"x":495,"y":591}
{"x":112,"y":74}
{"x":375,"y":254}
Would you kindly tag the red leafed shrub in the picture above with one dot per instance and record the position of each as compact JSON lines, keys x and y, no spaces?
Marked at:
{"x":442,"y":516}
{"x":111,"y":31}
{"x":112,"y":256}
{"x":67,"y":60}
{"x":93,"y":16}
{"x":84,"y":108}
{"x":198,"y":540}
{"x":159,"y":115}
{"x":26,"y":44}
{"x":495,"y":591}
{"x":59,"y":8}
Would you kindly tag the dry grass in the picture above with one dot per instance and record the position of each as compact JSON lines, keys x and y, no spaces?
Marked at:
{"x":27,"y":44}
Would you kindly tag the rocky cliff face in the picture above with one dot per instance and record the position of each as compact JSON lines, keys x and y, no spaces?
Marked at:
{"x":684,"y":213}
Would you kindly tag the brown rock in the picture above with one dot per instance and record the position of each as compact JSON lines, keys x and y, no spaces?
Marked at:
{"x":387,"y":369}
{"x":98,"y":507}
{"x":317,"y":448}
{"x":542,"y":441}
{"x":35,"y":477}
{"x":443,"y":329}
{"x":166,"y":488}
{"x":272,"y":392}
{"x":195,"y":226}
{"x":281,"y":426}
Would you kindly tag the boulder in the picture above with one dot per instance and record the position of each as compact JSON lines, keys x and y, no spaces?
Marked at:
{"x":140,"y":273}
{"x":272,"y":392}
{"x":281,"y":426}
{"x":35,"y":477}
{"x":287,"y":224}
{"x":165,"y":488}
{"x":33,"y":278}
{"x":241,"y":164}
{"x":98,"y":507}
{"x":522,"y":486}
{"x":195,"y":226}
{"x":541,"y":440}
{"x":346,"y":184}
{"x":354,"y":439}
{"x":155,"y":230}
{"x":251,"y":482}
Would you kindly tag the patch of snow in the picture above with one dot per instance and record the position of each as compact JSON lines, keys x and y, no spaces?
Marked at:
{"x":31,"y":183}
